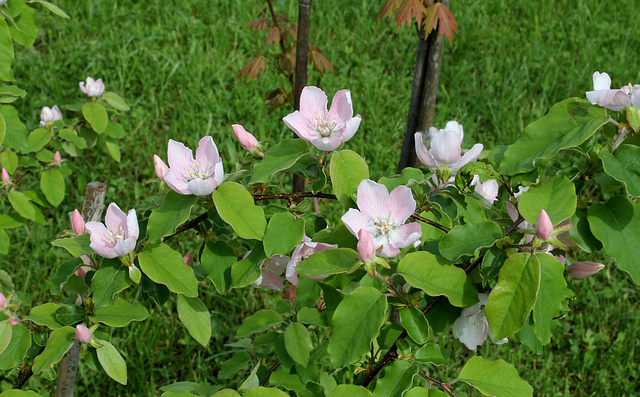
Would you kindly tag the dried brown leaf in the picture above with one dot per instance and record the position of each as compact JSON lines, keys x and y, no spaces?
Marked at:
{"x":253,"y":68}
{"x":439,"y":16}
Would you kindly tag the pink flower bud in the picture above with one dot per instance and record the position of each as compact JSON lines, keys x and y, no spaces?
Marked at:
{"x":544,"y":227}
{"x":580,"y":270}
{"x":77,"y":223}
{"x":366,"y":247}
{"x":93,"y":88}
{"x":3,"y":301}
{"x":188,"y":259}
{"x":161,"y":168}
{"x":246,"y":139}
{"x":14,"y":322}
{"x":83,"y":334}
{"x":6,"y":179}
{"x":81,"y":273}
{"x":57,"y":158}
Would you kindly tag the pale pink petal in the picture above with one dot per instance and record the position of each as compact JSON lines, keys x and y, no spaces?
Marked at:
{"x":455,"y":128}
{"x":276,"y":264}
{"x":601,"y":81}
{"x":246,"y":139}
{"x":471,"y":155}
{"x":207,"y":154}
{"x":290,"y":273}
{"x":354,"y":220}
{"x":619,"y":101}
{"x":313,"y":102}
{"x":115,"y":217}
{"x":300,"y":125}
{"x":469,"y":330}
{"x":401,"y":204}
{"x":124,"y":246}
{"x":445,"y":147}
{"x":201,"y":187}
{"x":389,"y":251}
{"x":271,"y":281}
{"x":372,"y":198}
{"x":635,"y":96}
{"x":179,"y":157}
{"x":218,"y":173}
{"x":341,"y":107}
{"x":423,"y":154}
{"x":350,"y":129}
{"x":325,"y":144}
{"x":132,"y":224}
{"x":177,"y":181}
{"x":366,"y":247}
{"x":100,"y":240}
{"x":405,"y":235}
{"x":511,"y":210}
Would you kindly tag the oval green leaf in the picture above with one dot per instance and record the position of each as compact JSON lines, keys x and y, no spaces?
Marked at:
{"x":112,"y":362}
{"x":173,"y":211}
{"x":557,"y":197}
{"x":347,"y":170}
{"x":494,"y":378}
{"x":165,"y":266}
{"x":333,"y":261}
{"x":52,"y":185}
{"x":284,"y":232}
{"x":468,"y":238}
{"x":236,"y":207}
{"x":298,"y":344}
{"x":119,"y":314}
{"x":59,"y":342}
{"x":196,"y":318}
{"x":96,"y":115}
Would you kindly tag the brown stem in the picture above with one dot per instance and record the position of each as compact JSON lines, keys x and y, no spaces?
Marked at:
{"x":430,"y":222}
{"x":443,"y":386}
{"x":302,"y":50}
{"x":623,"y":132}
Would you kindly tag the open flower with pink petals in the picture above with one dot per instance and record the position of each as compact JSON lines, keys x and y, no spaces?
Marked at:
{"x":93,"y":88}
{"x":199,"y":176}
{"x":487,"y":189}
{"x":49,"y":115}
{"x":118,"y":234}
{"x":302,"y":252}
{"x":326,"y":130}
{"x":446,"y":149}
{"x":603,"y":95}
{"x":382,"y":215}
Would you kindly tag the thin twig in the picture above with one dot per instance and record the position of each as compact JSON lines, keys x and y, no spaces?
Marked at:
{"x":430,"y":222}
{"x":623,"y":132}
{"x":443,"y":386}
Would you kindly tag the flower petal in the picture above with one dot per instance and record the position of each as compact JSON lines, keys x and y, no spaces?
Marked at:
{"x":424,"y":155}
{"x":341,"y":107}
{"x":350,"y":129}
{"x":471,"y":155}
{"x":313,"y":102}
{"x":132,"y":224}
{"x":372,"y":199}
{"x":445,"y":147}
{"x":201,"y":187}
{"x":99,"y":239}
{"x":179,"y":157}
{"x":401,"y":205}
{"x":300,"y":125}
{"x":177,"y":182}
{"x":355,"y":220}
{"x":115,"y":217}
{"x":405,"y":235}
{"x":207,"y":155}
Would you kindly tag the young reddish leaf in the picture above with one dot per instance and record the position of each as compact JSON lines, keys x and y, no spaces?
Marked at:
{"x":276,"y":98}
{"x":253,"y":68}
{"x":283,"y":17}
{"x":409,"y":10}
{"x":387,"y":9}
{"x":259,"y":24}
{"x":273,"y":36}
{"x":319,"y":61}
{"x":292,"y":31}
{"x":437,"y":15}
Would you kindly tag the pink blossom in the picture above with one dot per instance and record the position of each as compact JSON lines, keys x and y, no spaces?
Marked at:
{"x":83,"y":334}
{"x":200,"y":176}
{"x":117,"y":236}
{"x":49,"y":115}
{"x":366,"y":247}
{"x":382,"y":215}
{"x":246,"y":139}
{"x":544,"y":227}
{"x":93,"y":88}
{"x":579,"y":270}
{"x":77,"y":223}
{"x":188,"y":259}
{"x":326,"y":130}
{"x":3,"y":301}
{"x":6,"y":179}
{"x":446,"y":150}
{"x":57,"y":158}
{"x":487,"y":189}
{"x":603,"y":95}
{"x":302,"y":252}
{"x":161,"y":168}
{"x":472,"y":327}
{"x":272,"y":268}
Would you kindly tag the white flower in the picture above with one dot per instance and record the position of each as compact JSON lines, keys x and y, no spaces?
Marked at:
{"x":472,"y":327}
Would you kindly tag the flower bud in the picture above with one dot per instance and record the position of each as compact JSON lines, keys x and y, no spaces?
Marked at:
{"x":49,"y":115}
{"x":57,"y":158}
{"x":6,"y":179}
{"x":246,"y":139}
{"x":3,"y":301}
{"x":580,"y":270}
{"x":77,"y":223}
{"x":544,"y":227}
{"x":83,"y":334}
{"x":81,"y":273}
{"x":366,"y":247}
{"x":188,"y":259}
{"x":161,"y":168}
{"x":93,"y":88}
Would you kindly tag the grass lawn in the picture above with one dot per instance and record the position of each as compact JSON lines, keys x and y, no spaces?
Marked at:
{"x":175,"y":62}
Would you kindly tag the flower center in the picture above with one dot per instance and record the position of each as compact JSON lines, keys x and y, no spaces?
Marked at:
{"x":324,"y":126}
{"x":114,"y":235}
{"x":383,"y":226}
{"x":193,"y":171}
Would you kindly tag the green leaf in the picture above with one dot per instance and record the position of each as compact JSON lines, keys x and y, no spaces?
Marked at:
{"x":236,"y":207}
{"x":53,"y":8}
{"x":581,"y":232}
{"x":3,"y":131}
{"x":355,"y":324}
{"x":175,"y":210}
{"x":17,"y":348}
{"x":432,"y":353}
{"x":52,"y":185}
{"x":8,"y":160}
{"x":69,"y":314}
{"x":38,"y":139}
{"x":16,"y":132}
{"x":350,"y":390}
{"x":115,"y":101}
{"x":6,"y":51}
{"x":262,"y":320}
{"x":310,"y":315}
{"x":248,"y":270}
{"x":217,"y":259}
{"x":96,"y":115}
{"x":264,"y":392}
{"x":568,"y":124}
{"x":195,"y":316}
{"x":284,"y":232}
{"x":113,"y":149}
{"x":424,"y":392}
{"x":396,"y":379}
{"x":468,"y":238}
{"x":59,"y":342}
{"x":238,"y":362}
{"x":437,"y":276}
{"x":45,"y":315}
{"x":65,"y":270}
{"x":115,"y":130}
{"x":111,"y":278}
{"x":297,"y":342}
{"x":5,"y":242}
{"x":553,"y":296}
{"x":22,"y":205}
{"x":25,"y":31}
{"x":278,"y":158}
{"x":75,"y":245}
{"x":119,"y":314}
{"x":557,"y":197}
{"x":72,"y":136}
{"x":624,"y":166}
{"x":494,"y":378}
{"x":112,"y":362}
{"x":5,"y":334}
{"x":165,"y":266}
{"x":347,"y":170}
{"x":617,"y":224}
{"x":513,"y":297}
{"x":415,"y":323}
{"x":408,"y":177}
{"x":11,"y":220}
{"x":333,"y":261}
{"x":9,"y":94}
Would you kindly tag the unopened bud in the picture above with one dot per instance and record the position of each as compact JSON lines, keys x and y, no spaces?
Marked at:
{"x":188,"y":259}
{"x":161,"y":168}
{"x":3,"y":301}
{"x":544,"y":227}
{"x":77,"y":223}
{"x":246,"y":139}
{"x":83,"y":334}
{"x":57,"y":158}
{"x":6,"y":179}
{"x":366,"y":247}
{"x":81,"y":273}
{"x":580,"y":270}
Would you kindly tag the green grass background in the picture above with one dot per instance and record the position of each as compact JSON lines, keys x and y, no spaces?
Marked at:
{"x":176,"y":61}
